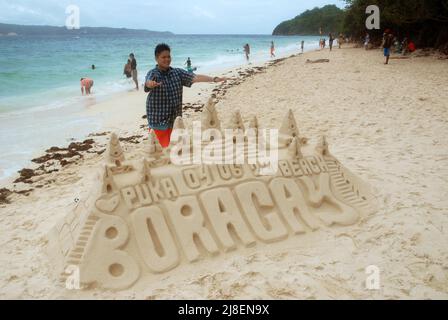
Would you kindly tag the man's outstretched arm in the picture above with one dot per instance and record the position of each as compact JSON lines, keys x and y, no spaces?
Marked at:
{"x":202,"y":78}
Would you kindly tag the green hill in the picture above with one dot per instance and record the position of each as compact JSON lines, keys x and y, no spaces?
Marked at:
{"x":330,"y":18}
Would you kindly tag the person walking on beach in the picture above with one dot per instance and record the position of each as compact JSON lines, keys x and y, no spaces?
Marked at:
{"x":302,"y":45}
{"x":340,"y":40}
{"x":331,"y":40}
{"x":134,"y":72}
{"x":86,"y":86}
{"x":367,"y":41}
{"x":404,"y":46}
{"x":387,"y":44}
{"x":128,"y":69}
{"x":164,"y":86}
{"x":272,"y":49}
{"x":247,"y":51}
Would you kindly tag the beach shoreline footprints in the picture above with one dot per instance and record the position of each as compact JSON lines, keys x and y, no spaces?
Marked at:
{"x":147,"y":217}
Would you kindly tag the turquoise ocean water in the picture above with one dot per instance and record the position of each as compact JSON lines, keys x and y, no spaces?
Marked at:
{"x":40,"y":100}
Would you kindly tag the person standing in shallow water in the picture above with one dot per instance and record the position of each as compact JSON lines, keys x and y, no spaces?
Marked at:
{"x":247,"y":51}
{"x":189,"y":65}
{"x":272,"y":49}
{"x":164,"y":86}
{"x":134,"y":72}
{"x":127,"y":71}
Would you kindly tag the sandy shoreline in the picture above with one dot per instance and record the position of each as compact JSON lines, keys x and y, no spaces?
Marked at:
{"x":388,"y":124}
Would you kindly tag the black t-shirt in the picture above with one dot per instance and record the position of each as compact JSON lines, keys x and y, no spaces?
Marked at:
{"x":388,"y":42}
{"x":133,"y":64}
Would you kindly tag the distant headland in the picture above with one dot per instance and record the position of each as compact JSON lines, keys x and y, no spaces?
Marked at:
{"x":28,"y":30}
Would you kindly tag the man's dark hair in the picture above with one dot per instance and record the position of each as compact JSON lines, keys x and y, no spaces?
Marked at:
{"x":160,"y":48}
{"x":82,"y":79}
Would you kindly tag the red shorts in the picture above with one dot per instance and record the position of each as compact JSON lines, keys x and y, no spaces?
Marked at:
{"x":164,"y":137}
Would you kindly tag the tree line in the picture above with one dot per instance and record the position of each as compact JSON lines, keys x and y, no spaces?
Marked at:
{"x":423,"y":21}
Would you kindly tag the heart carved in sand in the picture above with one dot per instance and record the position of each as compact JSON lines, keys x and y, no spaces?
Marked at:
{"x":108,"y":204}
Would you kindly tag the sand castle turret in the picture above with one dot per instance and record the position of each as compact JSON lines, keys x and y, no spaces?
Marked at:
{"x":114,"y":153}
{"x":254,"y":124}
{"x":179,"y":124}
{"x":210,"y":119}
{"x":236,"y":121}
{"x":153,"y":148}
{"x":146,"y":171}
{"x":295,"y":149}
{"x":107,"y":180}
{"x":323,"y":147}
{"x":289,"y":130}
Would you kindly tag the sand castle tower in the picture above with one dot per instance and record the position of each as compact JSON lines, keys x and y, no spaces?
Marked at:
{"x":178,"y":127}
{"x":295,"y":149}
{"x":153,"y":147}
{"x":236,"y":121}
{"x":290,"y":130}
{"x":179,"y":124}
{"x":146,"y":171}
{"x":322,"y":147}
{"x":114,"y":152}
{"x":254,"y":124}
{"x":209,"y":117}
{"x":108,"y":183}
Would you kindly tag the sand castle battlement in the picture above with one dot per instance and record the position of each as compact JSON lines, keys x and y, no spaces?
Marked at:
{"x":148,"y":216}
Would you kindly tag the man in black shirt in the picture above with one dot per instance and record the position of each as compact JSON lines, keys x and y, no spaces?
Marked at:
{"x":134,"y":72}
{"x":387,"y":44}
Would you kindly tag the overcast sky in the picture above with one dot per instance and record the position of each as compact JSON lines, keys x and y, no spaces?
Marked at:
{"x":178,"y":16}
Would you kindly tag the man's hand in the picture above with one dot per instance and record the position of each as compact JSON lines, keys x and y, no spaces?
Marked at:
{"x":152,"y":84}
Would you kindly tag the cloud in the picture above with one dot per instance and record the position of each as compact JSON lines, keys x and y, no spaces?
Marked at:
{"x":178,"y":16}
{"x":21,"y":12}
{"x":202,"y":13}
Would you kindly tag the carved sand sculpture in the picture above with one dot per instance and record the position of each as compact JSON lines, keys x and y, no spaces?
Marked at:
{"x":148,"y":216}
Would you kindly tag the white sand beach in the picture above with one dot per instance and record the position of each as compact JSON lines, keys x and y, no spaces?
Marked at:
{"x":387,"y":124}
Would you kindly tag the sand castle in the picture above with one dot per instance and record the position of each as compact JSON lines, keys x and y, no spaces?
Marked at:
{"x":147,"y":217}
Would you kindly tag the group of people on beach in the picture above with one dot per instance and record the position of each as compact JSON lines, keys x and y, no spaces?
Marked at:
{"x":164,"y":85}
{"x":130,"y":68}
{"x":403,"y":47}
{"x":331,"y":39}
{"x":130,"y":71}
